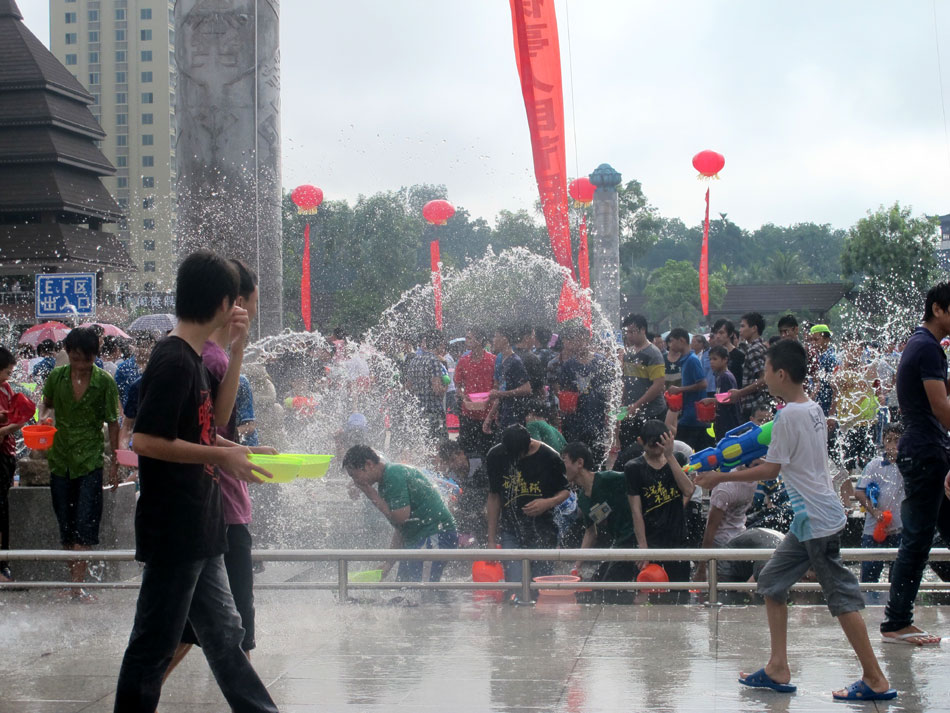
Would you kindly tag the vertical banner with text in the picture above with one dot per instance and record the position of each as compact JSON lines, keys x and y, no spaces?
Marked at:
{"x":704,"y":263}
{"x":538,"y":55}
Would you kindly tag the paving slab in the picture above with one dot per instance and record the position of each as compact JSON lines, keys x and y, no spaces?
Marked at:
{"x":467,"y":657}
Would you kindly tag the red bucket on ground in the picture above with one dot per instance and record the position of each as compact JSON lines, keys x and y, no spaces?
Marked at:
{"x":487,"y":571}
{"x":653,"y":573}
{"x":567,"y":401}
{"x":705,"y":412}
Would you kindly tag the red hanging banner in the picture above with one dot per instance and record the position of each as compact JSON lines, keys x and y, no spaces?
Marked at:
{"x":704,"y":263}
{"x":538,"y":56}
{"x":436,"y":281}
{"x":583,"y":257}
{"x":305,"y":279}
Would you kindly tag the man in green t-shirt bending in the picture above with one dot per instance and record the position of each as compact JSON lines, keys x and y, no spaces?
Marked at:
{"x":410,"y":502}
{"x":602,"y":501}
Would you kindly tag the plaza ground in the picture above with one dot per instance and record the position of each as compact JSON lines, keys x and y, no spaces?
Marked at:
{"x":465,"y":656}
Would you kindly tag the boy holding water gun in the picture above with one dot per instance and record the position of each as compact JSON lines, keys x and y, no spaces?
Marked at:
{"x":881,"y":492}
{"x":797,"y":448}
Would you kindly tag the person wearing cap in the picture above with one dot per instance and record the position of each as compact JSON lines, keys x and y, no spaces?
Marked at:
{"x":824,"y":362}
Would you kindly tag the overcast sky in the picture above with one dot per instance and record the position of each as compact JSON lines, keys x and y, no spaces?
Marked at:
{"x":823,"y":110}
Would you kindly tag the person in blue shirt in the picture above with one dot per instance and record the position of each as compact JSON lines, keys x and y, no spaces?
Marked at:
{"x":244,"y":407}
{"x":693,"y":387}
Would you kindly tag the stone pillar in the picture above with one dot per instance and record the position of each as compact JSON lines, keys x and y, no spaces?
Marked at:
{"x":228,"y":140}
{"x":605,"y":243}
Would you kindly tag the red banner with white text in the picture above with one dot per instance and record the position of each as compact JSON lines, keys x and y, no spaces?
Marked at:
{"x":704,"y":263}
{"x":305,"y":279}
{"x":538,"y":55}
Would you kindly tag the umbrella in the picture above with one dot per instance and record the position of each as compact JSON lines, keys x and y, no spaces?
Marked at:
{"x":109,"y":330}
{"x":154,"y":323}
{"x":54,"y":331}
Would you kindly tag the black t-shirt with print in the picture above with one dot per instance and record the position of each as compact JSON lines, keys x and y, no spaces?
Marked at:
{"x":661,"y":501}
{"x":178,"y":516}
{"x":540,"y":475}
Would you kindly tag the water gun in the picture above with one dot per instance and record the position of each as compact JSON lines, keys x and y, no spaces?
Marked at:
{"x":880,"y":530}
{"x":873,"y":492}
{"x":740,"y":446}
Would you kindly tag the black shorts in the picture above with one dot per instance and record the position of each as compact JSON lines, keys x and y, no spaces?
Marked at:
{"x":237,"y":562}
{"x":77,"y":503}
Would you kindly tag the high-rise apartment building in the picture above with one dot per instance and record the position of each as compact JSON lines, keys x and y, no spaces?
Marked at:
{"x":123,"y":52}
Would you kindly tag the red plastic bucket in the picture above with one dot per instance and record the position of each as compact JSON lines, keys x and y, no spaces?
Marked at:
{"x":487,"y":571}
{"x":705,"y":412}
{"x":653,"y":573}
{"x":39,"y":438}
{"x":567,"y":401}
{"x":674,"y":401}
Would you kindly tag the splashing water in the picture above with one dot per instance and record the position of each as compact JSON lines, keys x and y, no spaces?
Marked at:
{"x":317,"y":397}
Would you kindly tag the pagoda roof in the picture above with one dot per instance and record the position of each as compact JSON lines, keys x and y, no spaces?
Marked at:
{"x":36,"y":107}
{"x":33,"y":188}
{"x":24,"y":247}
{"x":26,"y":64}
{"x":44,"y":145}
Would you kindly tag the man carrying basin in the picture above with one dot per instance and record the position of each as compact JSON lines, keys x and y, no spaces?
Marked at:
{"x":222,"y":356}
{"x":412,"y":505}
{"x":180,"y":533}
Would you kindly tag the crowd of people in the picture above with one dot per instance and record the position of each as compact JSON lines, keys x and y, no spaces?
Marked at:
{"x":544,"y":456}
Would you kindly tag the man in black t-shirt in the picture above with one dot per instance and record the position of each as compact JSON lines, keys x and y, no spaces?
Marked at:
{"x":525,"y":483}
{"x":179,"y":527}
{"x":658,"y":490}
{"x":923,"y":458}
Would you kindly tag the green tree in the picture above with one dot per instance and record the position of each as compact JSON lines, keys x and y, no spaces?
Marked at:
{"x":892,"y":256}
{"x":891,"y":245}
{"x":818,"y":246}
{"x":673,"y":294}
{"x":787,"y":267}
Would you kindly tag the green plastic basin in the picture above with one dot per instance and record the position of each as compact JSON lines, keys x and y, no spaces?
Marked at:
{"x":284,"y":467}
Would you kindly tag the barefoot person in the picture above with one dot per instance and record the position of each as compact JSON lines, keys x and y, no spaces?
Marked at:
{"x":923,"y":458}
{"x":83,"y":397}
{"x":814,"y":539}
{"x":180,"y":533}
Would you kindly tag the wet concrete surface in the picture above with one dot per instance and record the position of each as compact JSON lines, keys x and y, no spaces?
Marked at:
{"x":464,"y":656}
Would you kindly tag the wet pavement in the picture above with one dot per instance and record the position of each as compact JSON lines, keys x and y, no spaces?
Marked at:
{"x":463,"y":656}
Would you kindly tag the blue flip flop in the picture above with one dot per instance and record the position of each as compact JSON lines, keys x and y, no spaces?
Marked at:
{"x":760,"y":679}
{"x":860,"y":691}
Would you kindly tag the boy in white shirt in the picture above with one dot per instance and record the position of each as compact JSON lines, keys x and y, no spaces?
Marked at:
{"x":880,"y":490}
{"x":798,"y":450}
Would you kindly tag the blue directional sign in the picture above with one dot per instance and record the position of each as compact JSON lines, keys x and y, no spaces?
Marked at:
{"x":60,"y":295}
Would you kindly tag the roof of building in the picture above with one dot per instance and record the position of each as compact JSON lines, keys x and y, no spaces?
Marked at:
{"x":36,"y":188}
{"x":37,"y":107}
{"x":46,"y":145}
{"x":49,"y":160}
{"x":24,"y":247}
{"x":26,"y":64}
{"x":768,"y":298}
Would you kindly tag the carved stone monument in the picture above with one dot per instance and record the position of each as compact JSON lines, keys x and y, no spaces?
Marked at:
{"x":228,"y":145}
{"x":605,"y":243}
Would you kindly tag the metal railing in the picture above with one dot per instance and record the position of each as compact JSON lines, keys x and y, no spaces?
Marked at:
{"x":342,"y":585}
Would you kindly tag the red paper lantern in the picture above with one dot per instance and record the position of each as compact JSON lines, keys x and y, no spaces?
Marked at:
{"x":307,"y":198}
{"x":709,"y":163}
{"x":582,"y":191}
{"x":438,"y":212}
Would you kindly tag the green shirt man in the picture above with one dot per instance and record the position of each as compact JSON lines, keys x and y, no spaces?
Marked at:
{"x":403,"y":486}
{"x":607,"y":507}
{"x":78,"y":446}
{"x":546,"y":433}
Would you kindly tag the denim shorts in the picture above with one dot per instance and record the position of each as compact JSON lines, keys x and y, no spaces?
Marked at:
{"x":77,"y":503}
{"x":793,"y":558}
